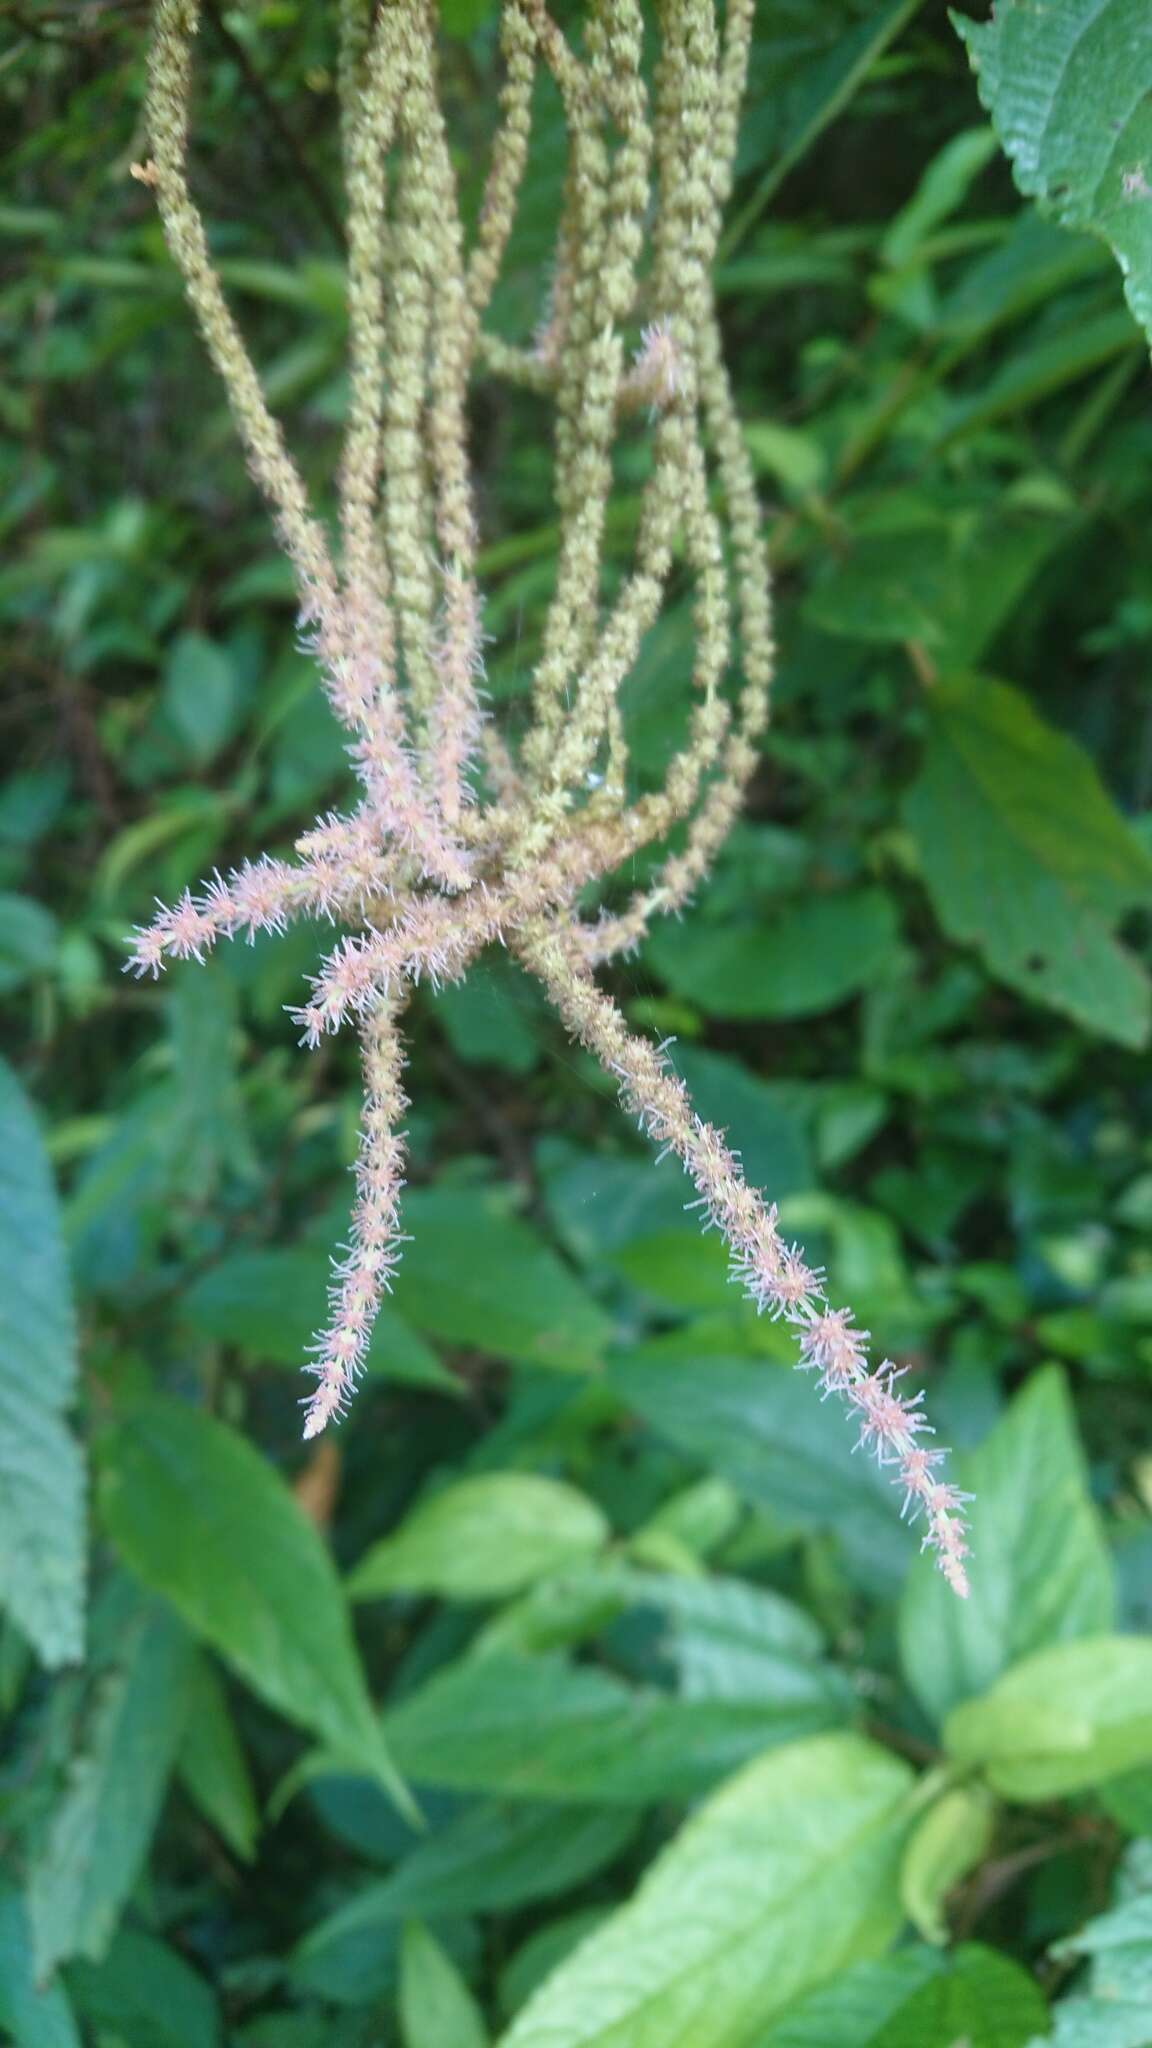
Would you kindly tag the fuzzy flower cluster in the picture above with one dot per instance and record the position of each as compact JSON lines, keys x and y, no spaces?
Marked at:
{"x":465,"y":834}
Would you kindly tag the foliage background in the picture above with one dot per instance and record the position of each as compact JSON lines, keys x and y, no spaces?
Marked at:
{"x":584,"y":1541}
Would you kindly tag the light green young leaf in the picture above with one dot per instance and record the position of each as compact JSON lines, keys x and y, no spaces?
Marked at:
{"x":537,"y":1728}
{"x":30,"y":2016}
{"x":1069,"y":90}
{"x":1045,"y":1574}
{"x":1064,"y":1719}
{"x":91,"y":1854}
{"x":783,"y":1877}
{"x":950,"y":1840}
{"x":474,"y":1275}
{"x":42,"y":1535}
{"x":211,"y":1764}
{"x":483,"y":1539}
{"x":1027,"y":858}
{"x":437,"y":2010}
{"x":207,"y":1522}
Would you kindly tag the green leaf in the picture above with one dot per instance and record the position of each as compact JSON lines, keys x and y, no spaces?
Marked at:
{"x":1112,"y":2007}
{"x":32,"y":2016}
{"x":820,"y":88}
{"x":211,"y":1764}
{"x":437,"y":2010}
{"x":1062,"y":1720}
{"x":1026,"y":857}
{"x":537,"y":1728}
{"x":199,"y":695}
{"x":919,"y":1999}
{"x":475,"y":1275}
{"x":799,"y":961}
{"x":204,"y":1520}
{"x":98,"y":1836}
{"x":950,"y":1840}
{"x":760,"y":1426}
{"x":146,"y":1994}
{"x":492,"y":1859}
{"x":42,"y":1535}
{"x":483,"y":1539}
{"x":272,"y":1303}
{"x":1069,"y":91}
{"x":1043,"y":1573}
{"x":783,"y":1877}
{"x":28,"y":940}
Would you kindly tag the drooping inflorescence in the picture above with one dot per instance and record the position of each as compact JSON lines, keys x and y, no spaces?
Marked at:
{"x":465,"y":834}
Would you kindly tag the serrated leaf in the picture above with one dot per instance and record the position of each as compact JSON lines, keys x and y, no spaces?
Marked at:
{"x":1069,"y":90}
{"x":98,"y":1836}
{"x":42,"y":1535}
{"x":1045,"y":1574}
{"x":1027,"y":858}
{"x":437,"y":2010}
{"x":1060,"y":1721}
{"x":211,"y":1764}
{"x":483,"y":1539}
{"x":783,"y":1877}
{"x":31,"y":2015}
{"x":1111,"y":2009}
{"x":207,"y":1522}
{"x":537,"y":1728}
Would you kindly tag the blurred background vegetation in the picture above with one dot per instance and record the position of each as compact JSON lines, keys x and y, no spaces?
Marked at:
{"x":915,"y":991}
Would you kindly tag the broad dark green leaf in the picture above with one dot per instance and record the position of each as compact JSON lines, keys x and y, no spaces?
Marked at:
{"x":1069,"y":91}
{"x":146,"y":1994}
{"x":765,"y":1429}
{"x":483,"y":1539}
{"x":28,"y":940}
{"x":493,"y":1859}
{"x":475,"y":1275}
{"x":98,"y":1837}
{"x":1062,"y":1720}
{"x":1043,"y":1573}
{"x":211,"y":1764}
{"x":1027,"y":858}
{"x":784,"y":1876}
{"x":271,"y":1304}
{"x":200,"y":696}
{"x":42,"y":1534}
{"x":437,"y":2010}
{"x":537,"y":1728}
{"x":919,"y":1999}
{"x":1112,"y":2007}
{"x":207,"y":1522}
{"x":30,"y":2015}
{"x":803,"y":959}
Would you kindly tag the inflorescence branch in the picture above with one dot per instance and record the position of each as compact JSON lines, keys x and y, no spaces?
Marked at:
{"x":464,"y":835}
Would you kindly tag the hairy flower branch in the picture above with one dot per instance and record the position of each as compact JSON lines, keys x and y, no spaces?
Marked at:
{"x":466,"y":835}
